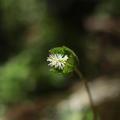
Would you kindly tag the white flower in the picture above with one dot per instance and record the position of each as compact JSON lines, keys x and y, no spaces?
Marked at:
{"x":57,"y":60}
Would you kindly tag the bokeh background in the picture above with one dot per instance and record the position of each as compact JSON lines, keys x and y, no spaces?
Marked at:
{"x":29,"y":28}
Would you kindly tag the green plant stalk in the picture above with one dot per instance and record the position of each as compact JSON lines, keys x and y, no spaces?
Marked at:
{"x":88,"y":92}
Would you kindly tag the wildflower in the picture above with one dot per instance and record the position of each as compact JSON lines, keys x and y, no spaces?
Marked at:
{"x":57,"y":60}
{"x":62,"y":60}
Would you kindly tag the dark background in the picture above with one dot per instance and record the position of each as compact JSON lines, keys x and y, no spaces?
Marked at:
{"x":28,"y":29}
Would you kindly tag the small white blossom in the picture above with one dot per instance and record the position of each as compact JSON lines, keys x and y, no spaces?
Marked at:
{"x":57,"y":60}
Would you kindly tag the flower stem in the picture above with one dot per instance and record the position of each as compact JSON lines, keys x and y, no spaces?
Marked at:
{"x":88,"y":92}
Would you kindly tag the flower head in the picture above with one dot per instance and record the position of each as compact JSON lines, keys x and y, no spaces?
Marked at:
{"x":57,"y":60}
{"x":62,"y":59}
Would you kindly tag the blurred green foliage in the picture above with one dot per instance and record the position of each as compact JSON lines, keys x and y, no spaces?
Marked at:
{"x":84,"y":114}
{"x":31,"y":29}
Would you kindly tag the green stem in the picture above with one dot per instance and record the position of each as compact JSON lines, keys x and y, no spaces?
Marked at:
{"x":88,"y":92}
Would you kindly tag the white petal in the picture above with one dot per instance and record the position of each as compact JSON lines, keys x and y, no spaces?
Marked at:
{"x":57,"y":60}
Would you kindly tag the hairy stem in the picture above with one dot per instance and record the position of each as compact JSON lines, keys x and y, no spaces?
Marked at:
{"x":88,"y":92}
